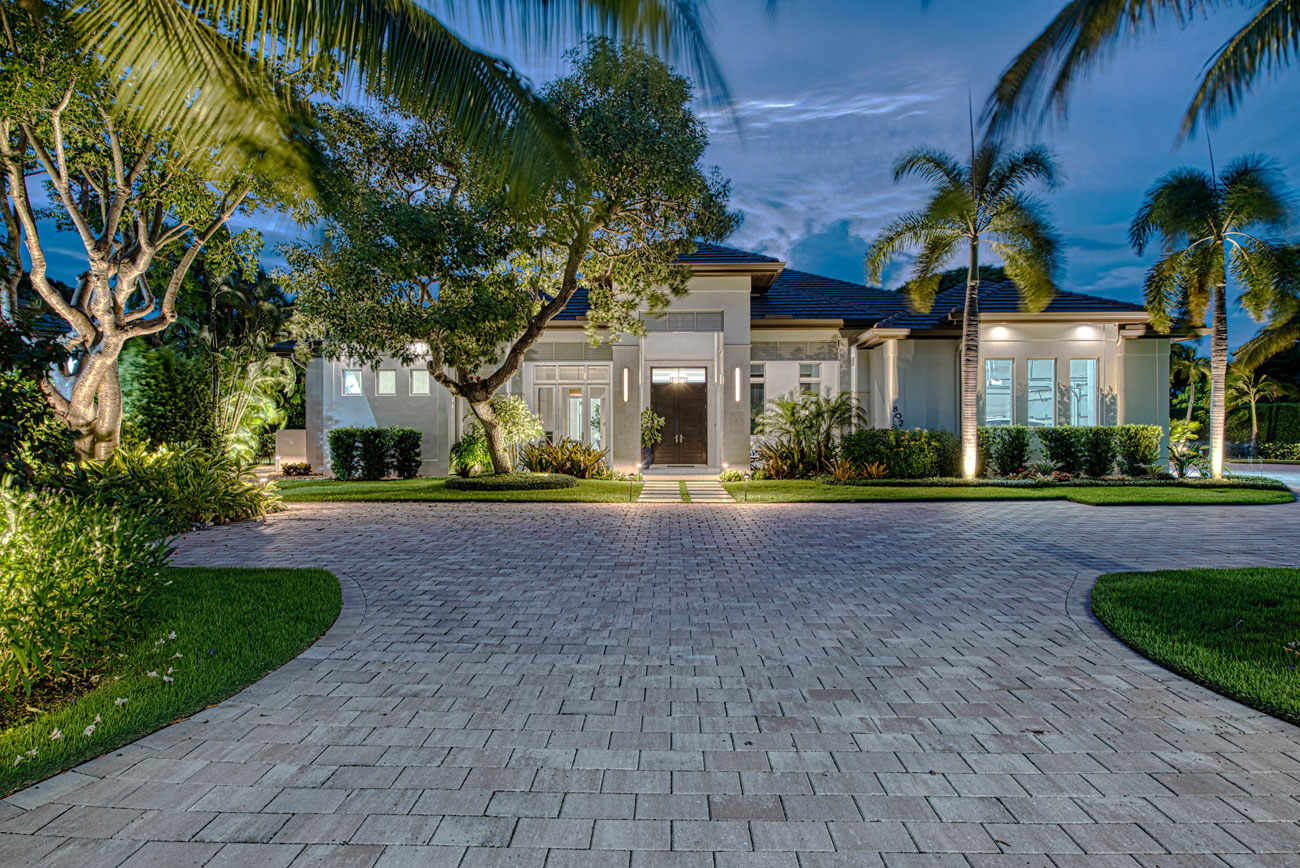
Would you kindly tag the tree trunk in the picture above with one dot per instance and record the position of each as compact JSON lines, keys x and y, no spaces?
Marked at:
{"x":1191,"y":396}
{"x":496,"y":441}
{"x":1218,"y":378}
{"x":970,"y":357}
{"x":1254,"y":430}
{"x":94,"y":411}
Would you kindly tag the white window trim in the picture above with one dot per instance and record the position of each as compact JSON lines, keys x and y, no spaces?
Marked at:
{"x":428,"y":382}
{"x":379,"y":389}
{"x":1029,"y":364}
{"x":361,"y":383}
{"x":1011,"y":416}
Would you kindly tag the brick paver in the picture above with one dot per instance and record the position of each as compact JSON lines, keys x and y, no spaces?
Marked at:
{"x":717,"y":686}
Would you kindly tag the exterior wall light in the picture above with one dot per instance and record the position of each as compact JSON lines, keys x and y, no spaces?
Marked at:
{"x":625,"y":385}
{"x":736,"y":376}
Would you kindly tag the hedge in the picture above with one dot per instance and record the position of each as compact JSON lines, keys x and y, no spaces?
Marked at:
{"x":511,"y":482}
{"x":371,"y":453}
{"x":1278,"y":423}
{"x":906,"y":454}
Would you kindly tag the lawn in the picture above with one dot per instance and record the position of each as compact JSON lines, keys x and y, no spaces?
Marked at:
{"x":393,"y":490}
{"x":812,"y":491}
{"x":209,"y":634}
{"x":1235,"y":631}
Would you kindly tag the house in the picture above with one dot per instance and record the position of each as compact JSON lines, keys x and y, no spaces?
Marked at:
{"x":750,"y":329}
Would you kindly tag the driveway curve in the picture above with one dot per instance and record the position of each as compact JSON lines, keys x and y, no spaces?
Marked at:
{"x":791,"y":686}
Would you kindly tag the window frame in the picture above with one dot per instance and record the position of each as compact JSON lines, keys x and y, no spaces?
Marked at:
{"x":1011,"y":392}
{"x":361,"y":383}
{"x":428,"y":382}
{"x":379,"y":378}
{"x":1095,"y":396}
{"x":1029,"y":420}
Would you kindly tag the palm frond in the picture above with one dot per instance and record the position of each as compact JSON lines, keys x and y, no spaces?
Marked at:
{"x":937,"y":250}
{"x":1255,"y":193}
{"x":1264,"y":45}
{"x":1077,"y":41}
{"x":1271,"y":340}
{"x":1014,"y":170}
{"x":903,"y":233}
{"x":933,"y":165}
{"x":1030,"y":248}
{"x":1181,"y":205}
{"x":1161,"y":291}
{"x":1256,"y":264}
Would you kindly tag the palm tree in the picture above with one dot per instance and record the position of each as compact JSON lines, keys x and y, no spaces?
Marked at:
{"x":1193,"y":369}
{"x":1248,"y":389}
{"x":1283,"y":314}
{"x":984,"y":201}
{"x":1085,"y":33}
{"x":210,"y":66}
{"x":1205,"y":227}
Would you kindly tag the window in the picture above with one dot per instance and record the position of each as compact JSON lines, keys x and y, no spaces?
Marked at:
{"x":809,"y":375}
{"x":575,"y":413}
{"x":419,"y":382}
{"x":386,"y":383}
{"x":757,"y":395}
{"x":1083,"y":391}
{"x":546,"y":409}
{"x":997,"y":392}
{"x":352,"y":383}
{"x":678,"y":375}
{"x":596,"y":417}
{"x":1042,"y":393}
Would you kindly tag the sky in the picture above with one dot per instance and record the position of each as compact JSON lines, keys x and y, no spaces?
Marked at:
{"x":828,"y":93}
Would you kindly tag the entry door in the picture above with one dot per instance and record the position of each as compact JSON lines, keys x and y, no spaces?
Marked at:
{"x":681,"y":396}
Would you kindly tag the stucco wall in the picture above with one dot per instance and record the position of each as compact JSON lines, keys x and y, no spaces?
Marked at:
{"x":927,"y":383}
{"x":1062,"y":342}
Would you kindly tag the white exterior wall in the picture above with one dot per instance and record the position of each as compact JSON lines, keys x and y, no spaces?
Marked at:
{"x":1061,"y":342}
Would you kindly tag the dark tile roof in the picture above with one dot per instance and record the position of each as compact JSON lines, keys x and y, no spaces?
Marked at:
{"x":1001,"y":297}
{"x":800,"y":295}
{"x":716,"y":253}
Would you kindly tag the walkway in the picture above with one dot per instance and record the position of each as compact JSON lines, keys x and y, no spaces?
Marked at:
{"x":801,"y":686}
{"x":657,"y":490}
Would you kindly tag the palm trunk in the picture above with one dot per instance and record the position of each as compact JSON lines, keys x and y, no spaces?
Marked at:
{"x":1191,"y":397}
{"x":1218,"y":378}
{"x":1254,"y":430}
{"x":970,"y":357}
{"x":496,"y":441}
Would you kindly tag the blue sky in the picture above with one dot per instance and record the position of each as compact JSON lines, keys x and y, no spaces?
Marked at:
{"x":829,"y":93}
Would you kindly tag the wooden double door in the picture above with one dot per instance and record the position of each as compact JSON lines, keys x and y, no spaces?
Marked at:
{"x":685,"y":408}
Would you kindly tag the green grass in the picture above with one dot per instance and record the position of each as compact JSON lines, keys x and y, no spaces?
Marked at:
{"x":812,"y":491}
{"x":1235,"y":631}
{"x":395,"y":490}
{"x":232,"y":626}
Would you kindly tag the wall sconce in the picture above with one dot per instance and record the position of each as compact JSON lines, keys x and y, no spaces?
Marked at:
{"x":736,"y":376}
{"x":625,"y":385}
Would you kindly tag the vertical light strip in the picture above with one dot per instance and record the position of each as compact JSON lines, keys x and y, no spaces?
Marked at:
{"x":625,"y":385}
{"x":737,"y":385}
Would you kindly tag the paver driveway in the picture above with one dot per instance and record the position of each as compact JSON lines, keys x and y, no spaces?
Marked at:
{"x":810,"y":685}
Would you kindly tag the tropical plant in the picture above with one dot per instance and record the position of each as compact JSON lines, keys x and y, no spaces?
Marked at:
{"x":1190,"y":368}
{"x":1085,"y":33}
{"x":72,"y":578}
{"x":1185,"y":448}
{"x":30,"y":437}
{"x":519,"y":424}
{"x":469,"y":454}
{"x":570,"y":457}
{"x":428,"y":260}
{"x":874,"y":470}
{"x":211,"y":66}
{"x":1247,"y":390}
{"x":1008,"y":447}
{"x":1206,"y":227}
{"x":812,"y":424}
{"x":296,"y":468}
{"x":179,"y":488}
{"x":652,"y":428}
{"x":782,"y":459}
{"x":981,"y":203}
{"x":841,"y":469}
{"x":1138,"y":447}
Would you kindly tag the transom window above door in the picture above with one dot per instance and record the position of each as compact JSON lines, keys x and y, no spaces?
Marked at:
{"x":678,"y":375}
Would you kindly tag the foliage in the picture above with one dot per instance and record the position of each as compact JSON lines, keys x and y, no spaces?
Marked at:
{"x":372,"y":453}
{"x":518,"y":424}
{"x":1083,"y":36}
{"x":30,"y":437}
{"x":652,"y":426}
{"x":1283,"y":451}
{"x":572,"y":457}
{"x":179,"y":487}
{"x":142,"y":204}
{"x":296,"y":468}
{"x":167,"y":396}
{"x":1064,"y":446}
{"x":904,"y":454}
{"x":429,"y":259}
{"x":841,"y":469}
{"x":512,"y":482}
{"x":1099,"y":450}
{"x":1138,"y":447}
{"x":426,"y":490}
{"x":811,"y":425}
{"x":73,"y":578}
{"x":1006,"y":448}
{"x":730,"y":474}
{"x":784,"y":459}
{"x":470,"y":453}
{"x":1278,"y":423}
{"x":217,"y":630}
{"x":1233,"y":630}
{"x":404,"y":445}
{"x":344,"y":457}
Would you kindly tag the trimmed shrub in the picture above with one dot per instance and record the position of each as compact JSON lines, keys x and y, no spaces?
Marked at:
{"x":167,"y":397}
{"x":405,"y":445}
{"x":470,"y":454}
{"x":372,"y":452}
{"x":296,"y":468}
{"x":1280,"y":451}
{"x":905,"y":454}
{"x":73,"y":577}
{"x":512,"y":482}
{"x":31,"y":437}
{"x":572,"y":457}
{"x":1138,"y":447}
{"x":1063,"y":446}
{"x":178,"y":488}
{"x":345,"y":458}
{"x":1006,"y":448}
{"x":1098,"y":450}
